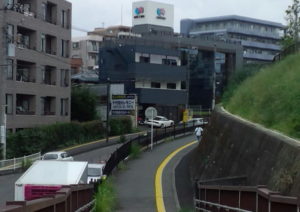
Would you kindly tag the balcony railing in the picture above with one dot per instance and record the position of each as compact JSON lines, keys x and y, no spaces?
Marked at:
{"x":20,"y":8}
{"x":21,"y":111}
{"x":48,"y":113}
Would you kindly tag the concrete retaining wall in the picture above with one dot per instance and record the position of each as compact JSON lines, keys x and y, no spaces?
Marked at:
{"x":234,"y":147}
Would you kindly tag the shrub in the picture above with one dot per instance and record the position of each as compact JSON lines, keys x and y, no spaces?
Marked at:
{"x":135,"y":150}
{"x":26,"y":164}
{"x":120,"y":126}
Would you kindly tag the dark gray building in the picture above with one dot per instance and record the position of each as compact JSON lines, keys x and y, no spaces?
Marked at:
{"x":166,"y":71}
{"x":259,"y":38}
{"x":34,"y":57}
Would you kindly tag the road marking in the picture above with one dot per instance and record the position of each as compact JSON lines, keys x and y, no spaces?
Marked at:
{"x":160,"y":205}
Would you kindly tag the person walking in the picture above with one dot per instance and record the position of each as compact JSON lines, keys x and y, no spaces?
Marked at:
{"x":198,"y":132}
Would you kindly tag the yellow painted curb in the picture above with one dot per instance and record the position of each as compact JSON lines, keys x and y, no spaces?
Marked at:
{"x":160,"y":205}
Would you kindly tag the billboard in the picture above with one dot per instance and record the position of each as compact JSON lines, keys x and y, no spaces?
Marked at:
{"x":154,"y":13}
{"x":123,"y":104}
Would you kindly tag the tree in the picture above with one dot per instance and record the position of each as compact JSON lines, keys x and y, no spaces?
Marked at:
{"x":83,"y":104}
{"x":293,"y":24}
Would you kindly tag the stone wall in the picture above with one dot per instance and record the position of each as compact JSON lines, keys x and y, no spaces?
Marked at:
{"x":235,"y":147}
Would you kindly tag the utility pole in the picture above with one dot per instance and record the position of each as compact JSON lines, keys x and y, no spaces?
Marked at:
{"x":214,"y":79}
{"x":3,"y":131}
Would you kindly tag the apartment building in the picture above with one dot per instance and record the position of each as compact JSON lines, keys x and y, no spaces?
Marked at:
{"x":259,"y":38}
{"x":87,"y":49}
{"x":35,"y":70}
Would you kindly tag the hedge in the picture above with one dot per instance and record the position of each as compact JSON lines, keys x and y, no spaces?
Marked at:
{"x":60,"y":135}
{"x":52,"y":137}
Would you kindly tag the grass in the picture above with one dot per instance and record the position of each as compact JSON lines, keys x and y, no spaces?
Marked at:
{"x":106,"y":200}
{"x":271,"y":97}
{"x":135,"y":151}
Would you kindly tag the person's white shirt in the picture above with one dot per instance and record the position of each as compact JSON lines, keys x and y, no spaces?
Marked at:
{"x":198,"y":131}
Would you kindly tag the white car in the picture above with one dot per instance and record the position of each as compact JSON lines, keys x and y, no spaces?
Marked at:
{"x":195,"y":122}
{"x":160,"y":121}
{"x":95,"y":172}
{"x":57,"y":156}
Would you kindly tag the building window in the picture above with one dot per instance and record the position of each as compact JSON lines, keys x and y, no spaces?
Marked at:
{"x":63,"y":18}
{"x":64,"y":76}
{"x":94,"y":46}
{"x":10,"y":70}
{"x":9,"y":103}
{"x":43,"y":43}
{"x":171,"y":85}
{"x":44,"y":11}
{"x":75,"y":45}
{"x":155,"y":85}
{"x":64,"y":48}
{"x":170,"y":62}
{"x":64,"y":107}
{"x":10,"y":33}
{"x":183,"y":85}
{"x":144,"y":59}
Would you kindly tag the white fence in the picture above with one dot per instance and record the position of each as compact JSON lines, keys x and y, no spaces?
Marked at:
{"x":17,"y":162}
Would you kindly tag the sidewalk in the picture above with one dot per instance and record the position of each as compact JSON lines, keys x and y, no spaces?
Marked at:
{"x":135,"y":185}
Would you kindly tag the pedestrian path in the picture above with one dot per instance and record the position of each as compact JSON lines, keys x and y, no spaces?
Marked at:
{"x":135,"y":185}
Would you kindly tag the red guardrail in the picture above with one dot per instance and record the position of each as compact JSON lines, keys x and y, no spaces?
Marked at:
{"x":243,"y":199}
{"x":68,"y":198}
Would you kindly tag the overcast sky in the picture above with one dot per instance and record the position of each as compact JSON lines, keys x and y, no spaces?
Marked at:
{"x":88,"y":14}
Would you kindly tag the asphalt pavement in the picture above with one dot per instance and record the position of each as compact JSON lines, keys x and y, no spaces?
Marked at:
{"x":7,"y":182}
{"x":135,"y":185}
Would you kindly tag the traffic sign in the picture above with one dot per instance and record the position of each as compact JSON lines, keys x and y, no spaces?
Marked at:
{"x":150,"y":112}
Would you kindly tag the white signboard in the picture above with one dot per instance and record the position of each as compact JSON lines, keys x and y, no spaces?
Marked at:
{"x":123,"y":102}
{"x":154,"y":13}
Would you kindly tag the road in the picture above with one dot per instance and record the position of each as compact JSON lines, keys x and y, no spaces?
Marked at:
{"x":135,"y":185}
{"x":7,"y":181}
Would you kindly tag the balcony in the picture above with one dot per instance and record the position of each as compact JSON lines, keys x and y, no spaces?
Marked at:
{"x":26,"y":38}
{"x":158,"y":72}
{"x":21,"y":6}
{"x":49,"y":12}
{"x":48,"y":106}
{"x":26,"y":71}
{"x":49,"y":75}
{"x":25,"y":104}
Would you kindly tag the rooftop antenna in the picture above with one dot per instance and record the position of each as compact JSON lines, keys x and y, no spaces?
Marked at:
{"x":103,"y":24}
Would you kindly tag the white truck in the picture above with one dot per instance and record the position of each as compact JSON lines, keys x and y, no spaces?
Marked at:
{"x":45,"y":177}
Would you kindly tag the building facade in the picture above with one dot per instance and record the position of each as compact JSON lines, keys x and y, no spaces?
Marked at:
{"x":166,"y":70}
{"x":169,"y":73}
{"x":86,"y":48}
{"x":259,"y":38}
{"x":35,"y":38}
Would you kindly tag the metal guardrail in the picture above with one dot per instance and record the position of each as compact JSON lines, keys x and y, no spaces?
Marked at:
{"x":15,"y":163}
{"x":210,"y":204}
{"x":144,"y":141}
{"x":288,"y":51}
{"x":242,"y":199}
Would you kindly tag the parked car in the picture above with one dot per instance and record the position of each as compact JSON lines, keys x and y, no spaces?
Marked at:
{"x":195,"y":122}
{"x":95,"y":172}
{"x":57,"y":156}
{"x":159,"y":121}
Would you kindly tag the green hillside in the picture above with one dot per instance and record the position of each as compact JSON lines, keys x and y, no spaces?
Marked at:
{"x":271,"y":97}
